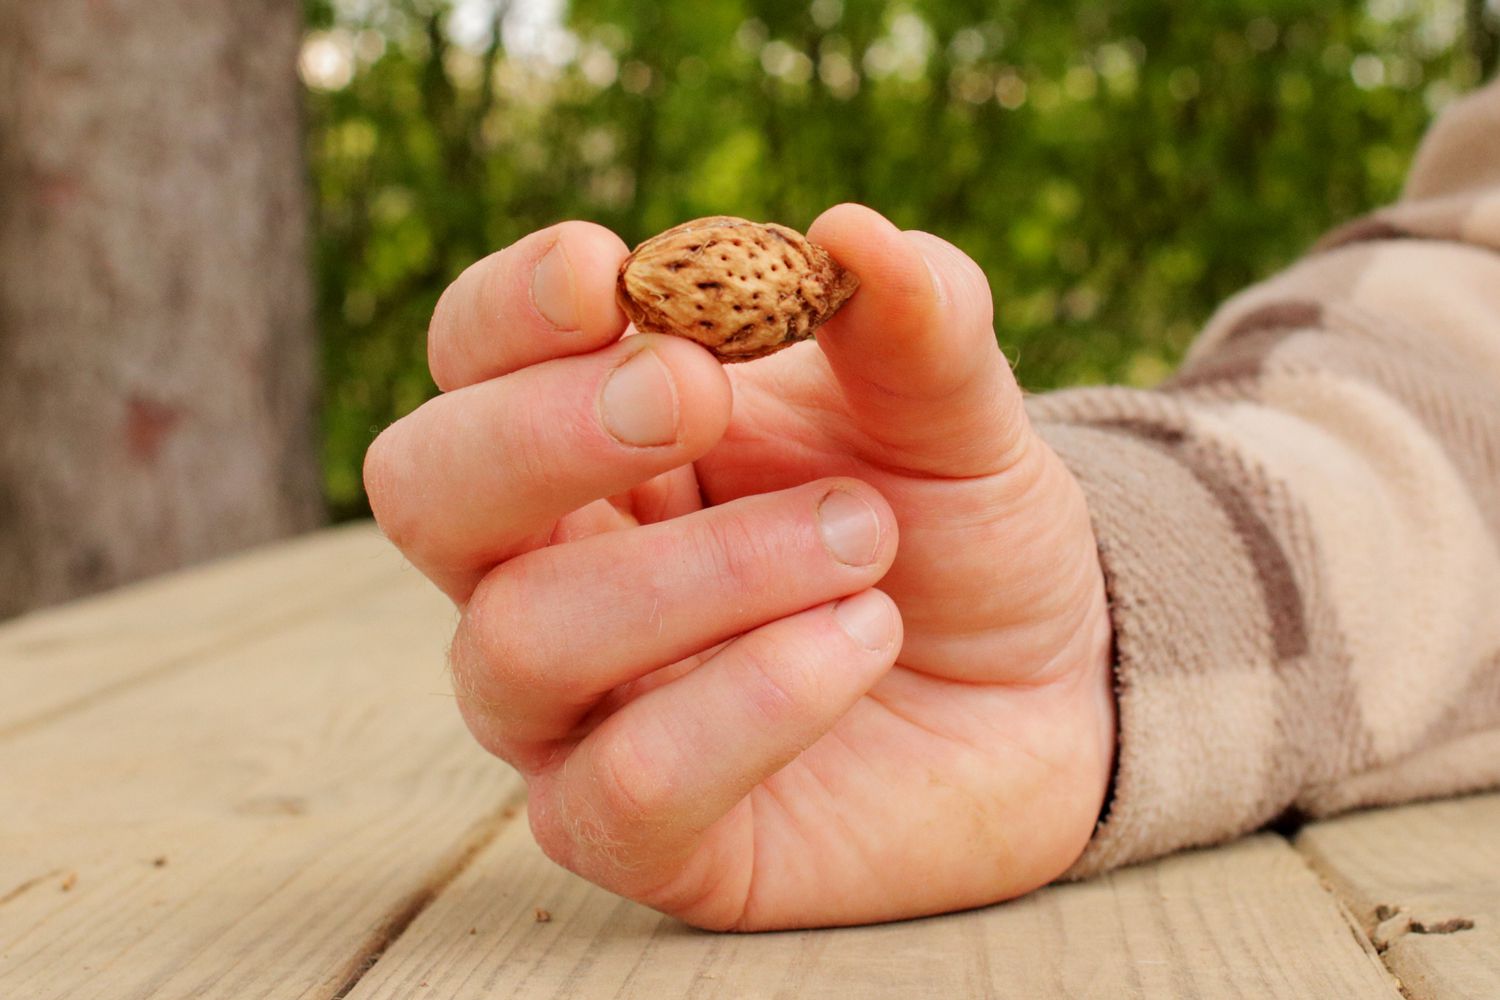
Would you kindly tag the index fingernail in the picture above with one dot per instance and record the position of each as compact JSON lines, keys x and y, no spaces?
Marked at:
{"x":553,"y":290}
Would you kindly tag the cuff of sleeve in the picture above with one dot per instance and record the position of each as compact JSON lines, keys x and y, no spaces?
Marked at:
{"x":1199,"y":757}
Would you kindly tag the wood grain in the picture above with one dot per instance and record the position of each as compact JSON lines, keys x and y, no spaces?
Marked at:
{"x":258,"y":823}
{"x":1249,"y":921}
{"x":63,"y":657}
{"x":266,"y":792}
{"x":1431,"y":870}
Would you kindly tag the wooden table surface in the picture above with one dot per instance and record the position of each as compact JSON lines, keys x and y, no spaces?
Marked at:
{"x":249,"y":780}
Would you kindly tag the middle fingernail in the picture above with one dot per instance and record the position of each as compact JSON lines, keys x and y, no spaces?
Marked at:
{"x":552,"y":289}
{"x":639,"y":403}
{"x":851,"y":528}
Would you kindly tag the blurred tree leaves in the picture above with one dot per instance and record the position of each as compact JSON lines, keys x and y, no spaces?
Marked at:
{"x":1118,"y":167}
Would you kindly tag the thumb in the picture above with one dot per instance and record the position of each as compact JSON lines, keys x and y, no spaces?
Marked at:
{"x":914,"y":350}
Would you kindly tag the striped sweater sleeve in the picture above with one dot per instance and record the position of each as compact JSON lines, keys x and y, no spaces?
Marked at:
{"x":1300,"y":531}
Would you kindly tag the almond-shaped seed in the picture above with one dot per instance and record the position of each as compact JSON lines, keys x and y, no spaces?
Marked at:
{"x":742,"y":289}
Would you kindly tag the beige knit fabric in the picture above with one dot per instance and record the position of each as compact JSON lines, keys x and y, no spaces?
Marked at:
{"x":1300,"y":531}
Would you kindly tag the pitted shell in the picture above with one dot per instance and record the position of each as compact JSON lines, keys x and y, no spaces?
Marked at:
{"x":741,"y":289}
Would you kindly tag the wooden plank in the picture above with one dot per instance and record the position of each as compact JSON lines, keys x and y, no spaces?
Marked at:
{"x":59,"y":658}
{"x":255,"y":824}
{"x":1249,"y":920}
{"x":1425,"y":879}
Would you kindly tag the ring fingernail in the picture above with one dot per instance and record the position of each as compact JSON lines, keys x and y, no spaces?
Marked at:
{"x":867,"y":619}
{"x":851,"y":529}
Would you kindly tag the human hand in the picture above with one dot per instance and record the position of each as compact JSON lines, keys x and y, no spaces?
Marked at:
{"x":715,"y":712}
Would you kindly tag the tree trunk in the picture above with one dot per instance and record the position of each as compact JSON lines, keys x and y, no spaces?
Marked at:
{"x":157,"y":358}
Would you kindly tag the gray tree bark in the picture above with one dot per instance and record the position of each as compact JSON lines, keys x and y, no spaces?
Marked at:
{"x":157,"y":358}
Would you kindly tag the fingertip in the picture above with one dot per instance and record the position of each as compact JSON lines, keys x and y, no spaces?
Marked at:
{"x":871,"y":619}
{"x":595,"y":255}
{"x":705,"y":397}
{"x":550,"y":294}
{"x":887,"y":527}
{"x":893,"y":331}
{"x":583,"y":231}
{"x":375,"y":473}
{"x":960,"y":284}
{"x":849,"y":217}
{"x":893,"y":272}
{"x":843,"y":215}
{"x":915,"y":351}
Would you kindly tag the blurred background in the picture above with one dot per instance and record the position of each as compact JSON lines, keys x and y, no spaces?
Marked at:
{"x":1118,"y":167}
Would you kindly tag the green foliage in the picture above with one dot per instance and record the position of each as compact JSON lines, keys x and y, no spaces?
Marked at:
{"x":1118,"y":167}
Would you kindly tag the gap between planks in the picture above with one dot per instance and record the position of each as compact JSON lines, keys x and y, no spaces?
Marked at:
{"x":1423,"y":879}
{"x":403,"y":915}
{"x":1345,"y":909}
{"x":482,"y":834}
{"x":1246,"y":920}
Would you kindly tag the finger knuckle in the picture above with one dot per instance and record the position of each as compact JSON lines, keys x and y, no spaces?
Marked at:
{"x":573,"y":833}
{"x":499,"y":656}
{"x":531,"y":455}
{"x":493,"y":281}
{"x":496,"y":719}
{"x":779,"y":680}
{"x":552,"y":828}
{"x":631,"y":793}
{"x":377,"y":472}
{"x":441,"y":361}
{"x":483,"y":725}
{"x":383,"y":479}
{"x":737,"y":551}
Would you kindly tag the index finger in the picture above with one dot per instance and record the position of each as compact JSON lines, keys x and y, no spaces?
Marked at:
{"x":549,"y":295}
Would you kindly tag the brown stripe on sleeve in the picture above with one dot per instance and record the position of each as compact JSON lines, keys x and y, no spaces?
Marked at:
{"x":1276,"y":303}
{"x":1458,"y":406}
{"x":1289,"y":314}
{"x":1194,"y":665}
{"x":1320,"y":727}
{"x":1364,"y":230}
{"x":1279,"y":593}
{"x":1241,"y":359}
{"x":1438,"y":219}
{"x":1255,"y":659}
{"x":1300,"y":531}
{"x":1247,"y":340}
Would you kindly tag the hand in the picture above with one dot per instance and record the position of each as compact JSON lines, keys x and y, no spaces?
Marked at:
{"x":666,"y":567}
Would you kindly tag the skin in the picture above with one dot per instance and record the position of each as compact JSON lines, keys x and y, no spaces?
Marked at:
{"x":651,"y":633}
